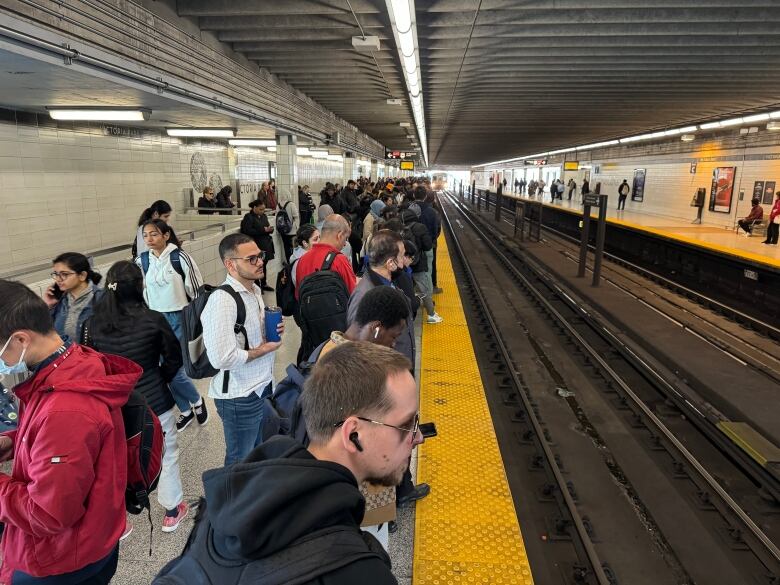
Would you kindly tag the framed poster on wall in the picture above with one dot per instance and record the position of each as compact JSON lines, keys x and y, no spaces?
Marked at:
{"x":758,"y":190}
{"x":769,"y":192}
{"x":722,"y":190}
{"x":638,"y":190}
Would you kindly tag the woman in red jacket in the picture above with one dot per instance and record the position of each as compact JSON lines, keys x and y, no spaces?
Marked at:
{"x":63,"y":505}
{"x":774,"y":222}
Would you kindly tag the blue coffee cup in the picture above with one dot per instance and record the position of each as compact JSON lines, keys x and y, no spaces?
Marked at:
{"x":273,"y":316}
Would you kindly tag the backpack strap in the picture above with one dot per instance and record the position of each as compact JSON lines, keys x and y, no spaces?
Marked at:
{"x":145,"y":261}
{"x":284,"y":207}
{"x":311,"y":557}
{"x":175,"y":262}
{"x":328,"y":262}
{"x":238,"y":327}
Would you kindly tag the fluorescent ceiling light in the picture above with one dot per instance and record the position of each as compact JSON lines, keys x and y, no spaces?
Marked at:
{"x":598,"y":144}
{"x":302,"y":150}
{"x":755,"y":118}
{"x":774,"y":114}
{"x":688,"y":137}
{"x":271,"y":149}
{"x":403,"y":14}
{"x":202,"y":132}
{"x":102,"y":114}
{"x":732,"y":122}
{"x":410,"y":64}
{"x":319,"y":154}
{"x":406,"y":40}
{"x":773,"y":126}
{"x":709,"y":125}
{"x":405,"y":124}
{"x":251,"y":142}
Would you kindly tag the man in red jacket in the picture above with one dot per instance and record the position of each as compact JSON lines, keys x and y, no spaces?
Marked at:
{"x":63,"y":504}
{"x":333,"y":237}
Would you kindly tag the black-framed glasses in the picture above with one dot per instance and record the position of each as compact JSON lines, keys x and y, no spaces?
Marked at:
{"x":412,"y":432}
{"x":61,"y":275}
{"x":253,"y":259}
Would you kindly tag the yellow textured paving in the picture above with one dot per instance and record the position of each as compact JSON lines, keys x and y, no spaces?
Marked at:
{"x":466,"y":531}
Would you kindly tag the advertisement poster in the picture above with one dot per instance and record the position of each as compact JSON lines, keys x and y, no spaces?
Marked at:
{"x":758,"y":190}
{"x":769,"y":193}
{"x":722,"y":189}
{"x":638,"y":190}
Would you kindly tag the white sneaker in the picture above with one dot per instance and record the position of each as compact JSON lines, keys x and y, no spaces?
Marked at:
{"x":435,"y":318}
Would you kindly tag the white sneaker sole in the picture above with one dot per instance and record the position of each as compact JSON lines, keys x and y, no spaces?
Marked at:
{"x":175,"y":526}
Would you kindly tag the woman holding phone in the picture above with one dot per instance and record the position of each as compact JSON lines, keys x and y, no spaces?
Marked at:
{"x":73,"y":294}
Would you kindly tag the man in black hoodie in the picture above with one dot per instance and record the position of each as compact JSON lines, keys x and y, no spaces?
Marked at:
{"x":288,"y":514}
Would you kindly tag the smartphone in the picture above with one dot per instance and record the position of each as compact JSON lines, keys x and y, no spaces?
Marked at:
{"x":428,"y":430}
{"x":56,"y":291}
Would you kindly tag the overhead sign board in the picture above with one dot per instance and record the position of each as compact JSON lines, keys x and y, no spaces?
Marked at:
{"x":407,"y":165}
{"x":399,"y":154}
{"x":536,"y":162}
{"x":571,"y":165}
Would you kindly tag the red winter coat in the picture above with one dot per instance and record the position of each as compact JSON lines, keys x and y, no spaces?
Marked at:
{"x":775,"y":211}
{"x":64,"y":503}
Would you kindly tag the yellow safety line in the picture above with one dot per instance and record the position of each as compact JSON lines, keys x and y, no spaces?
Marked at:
{"x":466,"y":530}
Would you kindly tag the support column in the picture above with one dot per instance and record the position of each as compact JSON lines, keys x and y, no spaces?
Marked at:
{"x":374,"y":169}
{"x":286,"y":168}
{"x":349,"y":167}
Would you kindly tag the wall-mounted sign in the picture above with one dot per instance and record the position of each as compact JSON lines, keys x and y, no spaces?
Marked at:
{"x":407,"y":165}
{"x":722,"y":189}
{"x":125,"y":131}
{"x":638,"y":190}
{"x":758,"y":190}
{"x":693,"y":168}
{"x":769,"y":192}
{"x":536,"y":162}
{"x":571,"y":165}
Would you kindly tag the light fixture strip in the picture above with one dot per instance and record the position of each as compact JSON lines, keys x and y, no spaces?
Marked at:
{"x":202,"y":132}
{"x":402,"y":18}
{"x":90,"y":114}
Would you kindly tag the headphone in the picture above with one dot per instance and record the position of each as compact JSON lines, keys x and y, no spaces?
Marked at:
{"x":354,"y":438}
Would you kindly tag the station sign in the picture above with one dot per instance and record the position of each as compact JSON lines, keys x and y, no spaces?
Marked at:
{"x":398,"y":154}
{"x":571,"y":165}
{"x":592,"y":200}
{"x":407,"y":165}
{"x":538,"y":162}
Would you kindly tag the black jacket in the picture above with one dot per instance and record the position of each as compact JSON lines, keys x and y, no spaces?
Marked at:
{"x":144,"y":337}
{"x":418,"y":233}
{"x":431,"y":219}
{"x":203,"y":202}
{"x":254,"y":225}
{"x":279,"y":494}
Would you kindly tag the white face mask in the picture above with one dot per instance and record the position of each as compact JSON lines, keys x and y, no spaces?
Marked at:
{"x":19,"y":368}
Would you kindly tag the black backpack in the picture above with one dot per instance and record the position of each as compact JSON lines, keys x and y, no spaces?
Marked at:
{"x":283,"y":221}
{"x":323,"y":300}
{"x":285,"y":290}
{"x":306,"y":559}
{"x":196,"y":361}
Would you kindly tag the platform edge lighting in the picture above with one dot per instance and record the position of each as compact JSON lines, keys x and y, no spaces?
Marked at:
{"x":402,"y":18}
{"x":202,"y":132}
{"x":93,"y":114}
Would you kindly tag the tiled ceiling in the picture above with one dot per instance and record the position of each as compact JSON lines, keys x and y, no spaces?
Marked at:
{"x":504,"y":78}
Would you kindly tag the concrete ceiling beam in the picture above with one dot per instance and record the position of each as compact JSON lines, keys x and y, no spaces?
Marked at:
{"x":272,"y":7}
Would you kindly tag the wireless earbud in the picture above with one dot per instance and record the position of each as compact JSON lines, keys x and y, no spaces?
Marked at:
{"x":354,"y":438}
{"x":376,"y":332}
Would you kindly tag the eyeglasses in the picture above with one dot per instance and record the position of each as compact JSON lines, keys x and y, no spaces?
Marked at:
{"x":61,"y":275}
{"x":412,"y":432}
{"x":254,"y":259}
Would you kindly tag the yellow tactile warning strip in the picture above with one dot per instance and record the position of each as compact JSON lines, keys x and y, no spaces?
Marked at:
{"x":466,"y":530}
{"x":751,"y":441}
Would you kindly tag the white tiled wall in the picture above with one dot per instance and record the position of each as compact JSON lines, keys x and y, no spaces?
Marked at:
{"x":669,"y":183}
{"x":77,"y":188}
{"x":80,"y":190}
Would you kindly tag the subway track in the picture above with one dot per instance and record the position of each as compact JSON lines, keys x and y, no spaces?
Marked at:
{"x":631,"y":483}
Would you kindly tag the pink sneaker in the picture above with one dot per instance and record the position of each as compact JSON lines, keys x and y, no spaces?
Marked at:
{"x":128,"y":530}
{"x":171,"y":523}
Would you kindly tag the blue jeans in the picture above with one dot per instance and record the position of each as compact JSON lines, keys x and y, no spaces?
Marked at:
{"x":242,"y":420}
{"x":184,"y":392}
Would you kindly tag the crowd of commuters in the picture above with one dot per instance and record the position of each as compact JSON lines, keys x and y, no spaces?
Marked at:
{"x":84,"y":348}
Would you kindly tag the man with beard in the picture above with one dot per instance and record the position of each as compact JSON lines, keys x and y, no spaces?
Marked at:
{"x":246,"y":355}
{"x":295,"y":513}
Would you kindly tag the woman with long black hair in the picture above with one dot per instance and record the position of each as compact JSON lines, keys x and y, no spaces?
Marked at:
{"x":121,"y":324}
{"x":158,"y":210}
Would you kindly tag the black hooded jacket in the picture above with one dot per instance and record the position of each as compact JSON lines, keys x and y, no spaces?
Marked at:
{"x":418,"y":233}
{"x":279,"y":494}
